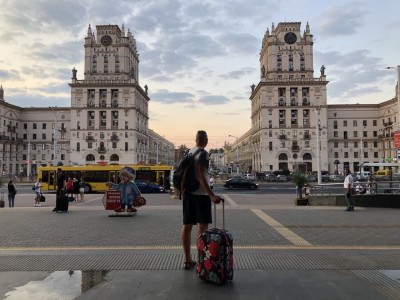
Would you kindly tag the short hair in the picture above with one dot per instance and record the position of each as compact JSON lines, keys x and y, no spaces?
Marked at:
{"x":201,"y":136}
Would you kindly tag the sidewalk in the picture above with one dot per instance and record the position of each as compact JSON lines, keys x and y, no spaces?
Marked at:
{"x":280,"y":252}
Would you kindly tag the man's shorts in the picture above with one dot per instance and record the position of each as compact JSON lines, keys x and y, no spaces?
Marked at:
{"x":196,"y":209}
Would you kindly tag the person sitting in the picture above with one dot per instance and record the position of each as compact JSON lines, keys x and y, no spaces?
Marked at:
{"x":359,"y":188}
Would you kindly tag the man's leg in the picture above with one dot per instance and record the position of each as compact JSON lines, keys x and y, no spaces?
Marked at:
{"x":201,"y":228}
{"x":186,"y":241}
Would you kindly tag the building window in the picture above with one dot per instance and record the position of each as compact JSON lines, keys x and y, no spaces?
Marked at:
{"x":34,"y":136}
{"x":365,"y":123}
{"x":335,"y":145}
{"x":43,"y":136}
{"x":114,"y":145}
{"x":78,"y":146}
{"x":335,"y":124}
{"x":346,"y":155}
{"x":355,"y":134}
{"x":90,"y":145}
{"x":355,"y":154}
{"x":335,"y":155}
{"x":355,"y":145}
{"x":375,"y":154}
{"x":345,"y":145}
{"x":335,"y":134}
{"x":126,"y":146}
{"x":34,"y":126}
{"x":375,"y":144}
{"x":43,"y":125}
{"x":344,"y":123}
{"x":375,"y":123}
{"x":354,"y":122}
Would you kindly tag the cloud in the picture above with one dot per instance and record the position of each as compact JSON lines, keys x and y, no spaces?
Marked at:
{"x":237,"y":74}
{"x":213,"y":100}
{"x":341,"y":19}
{"x":167,"y":97}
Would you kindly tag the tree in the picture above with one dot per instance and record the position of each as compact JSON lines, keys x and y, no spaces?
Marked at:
{"x":181,"y":150}
{"x":299,"y":179}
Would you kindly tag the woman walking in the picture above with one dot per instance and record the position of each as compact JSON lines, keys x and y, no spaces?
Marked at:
{"x":12,"y":191}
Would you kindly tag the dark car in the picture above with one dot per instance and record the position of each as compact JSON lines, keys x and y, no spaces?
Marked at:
{"x":240,"y":183}
{"x":149,"y":187}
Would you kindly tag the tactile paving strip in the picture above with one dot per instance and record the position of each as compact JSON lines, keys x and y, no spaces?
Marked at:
{"x":266,"y":260}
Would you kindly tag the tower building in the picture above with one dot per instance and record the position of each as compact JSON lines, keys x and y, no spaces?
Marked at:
{"x":109,"y":109}
{"x":289,"y":105}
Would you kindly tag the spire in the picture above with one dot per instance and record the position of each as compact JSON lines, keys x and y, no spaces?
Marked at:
{"x":89,"y":31}
{"x":1,"y":93}
{"x":273,"y":28}
{"x":123,"y":30}
{"x":307,"y":28}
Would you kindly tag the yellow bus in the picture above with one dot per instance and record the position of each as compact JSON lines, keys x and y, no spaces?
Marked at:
{"x":96,"y":176}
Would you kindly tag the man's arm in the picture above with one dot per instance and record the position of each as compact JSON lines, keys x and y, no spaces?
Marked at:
{"x":201,"y":170}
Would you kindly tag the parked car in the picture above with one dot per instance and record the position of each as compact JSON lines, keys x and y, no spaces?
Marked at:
{"x":270,"y":177}
{"x":250,"y":176}
{"x":240,"y":183}
{"x":282,"y":178}
{"x":149,"y":187}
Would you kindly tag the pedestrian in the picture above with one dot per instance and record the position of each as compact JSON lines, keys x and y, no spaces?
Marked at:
{"x":70,"y":188}
{"x":12,"y":191}
{"x":38,"y":194}
{"x":76,"y":189}
{"x":61,"y":184}
{"x":348,"y":189}
{"x":197,"y":204}
{"x":82,"y":189}
{"x":128,"y":189}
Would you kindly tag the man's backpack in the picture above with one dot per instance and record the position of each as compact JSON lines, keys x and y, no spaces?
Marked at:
{"x":184,"y":178}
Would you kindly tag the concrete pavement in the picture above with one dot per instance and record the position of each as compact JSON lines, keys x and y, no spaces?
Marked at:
{"x":281,"y":251}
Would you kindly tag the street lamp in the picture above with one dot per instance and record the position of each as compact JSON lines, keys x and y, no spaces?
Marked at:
{"x":398,"y":94}
{"x":237,"y":153}
{"x":54,"y":135}
{"x":28,"y":167}
{"x":362,"y":146}
{"x":318,"y":128}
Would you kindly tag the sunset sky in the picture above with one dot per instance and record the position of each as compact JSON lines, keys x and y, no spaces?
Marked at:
{"x":198,"y":58}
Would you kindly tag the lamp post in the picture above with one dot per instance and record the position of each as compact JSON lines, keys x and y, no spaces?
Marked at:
{"x":362,"y":145}
{"x":398,"y":94}
{"x":318,"y":128}
{"x":54,"y":136}
{"x":28,"y":165}
{"x":237,"y":153}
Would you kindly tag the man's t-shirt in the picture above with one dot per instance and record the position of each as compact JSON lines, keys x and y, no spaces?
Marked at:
{"x":201,"y":159}
{"x":60,"y":180}
{"x":348,"y":180}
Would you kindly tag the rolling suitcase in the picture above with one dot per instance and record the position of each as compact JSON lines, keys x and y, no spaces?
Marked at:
{"x":62,"y":203}
{"x":215,"y":254}
{"x":2,"y":203}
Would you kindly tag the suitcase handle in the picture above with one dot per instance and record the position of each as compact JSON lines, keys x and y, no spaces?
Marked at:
{"x":223,"y":214}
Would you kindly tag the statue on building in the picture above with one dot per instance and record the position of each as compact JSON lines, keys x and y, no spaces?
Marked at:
{"x":1,"y":93}
{"x":146,"y":88}
{"x":263,"y":71}
{"x":252,"y":88}
{"x":322,"y":70}
{"x":74,"y":73}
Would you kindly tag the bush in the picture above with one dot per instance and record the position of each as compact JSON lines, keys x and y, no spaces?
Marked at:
{"x":299,"y":180}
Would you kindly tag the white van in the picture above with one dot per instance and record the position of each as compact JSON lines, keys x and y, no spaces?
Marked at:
{"x":362,"y":176}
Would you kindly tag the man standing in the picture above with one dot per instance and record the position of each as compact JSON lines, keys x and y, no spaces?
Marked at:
{"x":61,"y":184}
{"x":197,"y":204}
{"x":348,"y":187}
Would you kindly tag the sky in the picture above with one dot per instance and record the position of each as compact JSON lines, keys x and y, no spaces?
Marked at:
{"x":198,"y":58}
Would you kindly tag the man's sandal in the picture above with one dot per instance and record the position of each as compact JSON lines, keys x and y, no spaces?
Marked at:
{"x":188,"y":265}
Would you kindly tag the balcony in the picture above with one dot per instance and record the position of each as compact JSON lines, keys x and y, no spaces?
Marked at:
{"x":282,"y":137}
{"x":90,"y":138}
{"x":295,"y":148}
{"x":101,"y":150}
{"x":10,"y":128}
{"x":307,"y":136}
{"x":63,"y":129}
{"x":114,"y":138}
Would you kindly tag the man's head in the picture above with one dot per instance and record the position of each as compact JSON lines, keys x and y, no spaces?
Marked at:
{"x":347,"y":171}
{"x":201,"y":139}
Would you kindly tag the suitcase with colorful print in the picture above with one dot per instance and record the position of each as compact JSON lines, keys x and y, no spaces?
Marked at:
{"x":215,"y":254}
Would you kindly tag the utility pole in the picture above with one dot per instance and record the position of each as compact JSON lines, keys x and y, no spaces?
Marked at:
{"x":318,"y":128}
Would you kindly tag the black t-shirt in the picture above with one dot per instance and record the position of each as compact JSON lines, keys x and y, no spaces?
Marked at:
{"x":60,"y":180}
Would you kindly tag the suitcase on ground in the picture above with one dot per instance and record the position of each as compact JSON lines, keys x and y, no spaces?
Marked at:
{"x":2,"y":203}
{"x":215,"y":254}
{"x":62,"y":203}
{"x":42,"y":198}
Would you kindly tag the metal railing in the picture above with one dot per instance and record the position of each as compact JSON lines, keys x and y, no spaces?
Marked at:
{"x":375,"y":187}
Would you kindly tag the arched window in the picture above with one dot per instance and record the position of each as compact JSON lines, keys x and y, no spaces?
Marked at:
{"x":114,"y":157}
{"x":283,"y":156}
{"x":307,"y":156}
{"x":90,"y":157}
